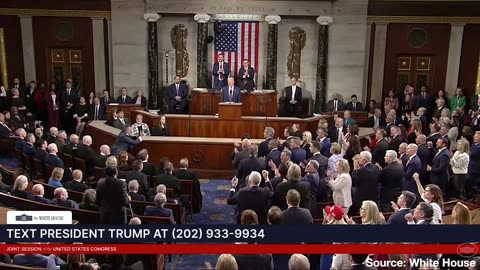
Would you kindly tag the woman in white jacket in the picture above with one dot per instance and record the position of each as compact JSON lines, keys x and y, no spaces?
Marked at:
{"x":341,"y":185}
{"x":459,"y":164}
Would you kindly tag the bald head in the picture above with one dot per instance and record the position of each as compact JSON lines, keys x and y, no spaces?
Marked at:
{"x":421,"y":139}
{"x":74,"y":138}
{"x":38,"y":190}
{"x":87,"y":140}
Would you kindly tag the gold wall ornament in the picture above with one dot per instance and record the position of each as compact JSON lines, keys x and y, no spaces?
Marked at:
{"x":297,"y":38}
{"x":178,"y":36}
{"x":3,"y":59}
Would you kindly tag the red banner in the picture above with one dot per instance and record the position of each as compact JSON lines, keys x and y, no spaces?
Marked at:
{"x":462,"y":249}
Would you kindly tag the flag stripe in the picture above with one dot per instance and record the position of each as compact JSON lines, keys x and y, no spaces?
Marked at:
{"x":257,"y":40}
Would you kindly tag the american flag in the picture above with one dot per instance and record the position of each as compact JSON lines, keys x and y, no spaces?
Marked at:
{"x":238,"y":41}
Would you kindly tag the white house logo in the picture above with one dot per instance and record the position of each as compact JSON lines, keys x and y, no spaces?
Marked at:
{"x":467,"y":250}
{"x":24,"y":217}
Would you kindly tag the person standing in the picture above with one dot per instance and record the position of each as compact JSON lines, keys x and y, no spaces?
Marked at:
{"x":246,"y":76}
{"x":231,"y":93}
{"x":220,"y":73}
{"x":112,"y":198}
{"x":293,"y":98}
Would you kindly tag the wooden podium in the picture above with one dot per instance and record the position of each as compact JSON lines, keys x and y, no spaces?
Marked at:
{"x":227,"y":110}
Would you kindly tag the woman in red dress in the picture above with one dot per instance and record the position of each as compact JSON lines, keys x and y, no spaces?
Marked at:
{"x":53,"y":106}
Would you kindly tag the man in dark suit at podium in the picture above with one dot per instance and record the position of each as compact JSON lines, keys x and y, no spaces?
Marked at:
{"x":293,"y":98}
{"x":231,"y":93}
{"x":220,"y":73}
{"x":246,"y":76}
{"x":124,"y":98}
{"x":177,"y":93}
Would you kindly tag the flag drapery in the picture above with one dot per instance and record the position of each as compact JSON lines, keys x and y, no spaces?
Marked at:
{"x":237,"y":41}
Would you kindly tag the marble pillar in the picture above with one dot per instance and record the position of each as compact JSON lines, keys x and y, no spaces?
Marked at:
{"x":28,"y":49}
{"x":378,"y":65}
{"x":202,"y":50}
{"x":99,"y":54}
{"x":155,"y":97}
{"x":272,"y":42}
{"x":454,"y":55}
{"x":322,"y":64}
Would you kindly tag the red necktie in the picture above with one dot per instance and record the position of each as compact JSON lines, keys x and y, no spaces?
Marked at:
{"x":231,"y":95}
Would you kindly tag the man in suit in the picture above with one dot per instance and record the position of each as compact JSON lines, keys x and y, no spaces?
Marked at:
{"x":52,"y":159}
{"x":159,"y":210}
{"x":148,"y":168}
{"x":335,"y":105}
{"x":177,"y":94}
{"x":294,"y":214}
{"x":137,"y":174}
{"x":169,"y":180}
{"x":423,"y":99}
{"x":473,"y":172}
{"x":61,"y":199}
{"x":133,"y":191}
{"x":380,"y":149}
{"x":102,"y":158}
{"x":121,"y":121}
{"x":414,"y":165}
{"x":5,"y":131}
{"x":297,"y":132}
{"x":402,"y":154}
{"x":76,"y":184}
{"x":288,"y":134}
{"x":403,"y":206}
{"x":220,"y":73}
{"x":434,"y":135}
{"x":72,"y":147}
{"x":318,"y":185}
{"x":184,"y":174}
{"x":444,"y":133}
{"x":41,"y":152}
{"x":337,"y":131}
{"x":35,"y":260}
{"x":298,"y":153}
{"x":96,"y":111}
{"x":294,"y":175}
{"x":347,"y":118}
{"x":38,"y":193}
{"x":20,"y":140}
{"x":376,"y":120}
{"x":324,"y":142}
{"x":358,"y":261}
{"x":29,"y":147}
{"x":112,"y":198}
{"x":389,"y":123}
{"x":354,"y":105}
{"x":246,"y":166}
{"x":251,"y":197}
{"x":86,"y":153}
{"x":105,"y":100}
{"x":293,"y":99}
{"x":425,"y":153}
{"x":268,"y":134}
{"x":365,"y":180}
{"x":20,"y":86}
{"x":246,"y":76}
{"x":440,"y":107}
{"x":68,"y":100}
{"x":30,"y":98}
{"x":241,"y":154}
{"x":231,"y":93}
{"x":319,"y":158}
{"x":390,"y":180}
{"x":439,"y":171}
{"x":397,"y":138}
{"x":124,"y":142}
{"x":124,"y":98}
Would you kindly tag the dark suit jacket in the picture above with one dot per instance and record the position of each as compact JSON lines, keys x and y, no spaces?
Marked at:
{"x":379,"y":151}
{"x":112,"y":200}
{"x":398,"y":218}
{"x":440,"y":169}
{"x":433,"y":138}
{"x":137,"y":197}
{"x":279,"y":198}
{"x":331,"y":107}
{"x":72,"y":98}
{"x":21,"y":194}
{"x":317,"y":189}
{"x":41,"y":199}
{"x":19,"y":144}
{"x":426,"y":156}
{"x":474,"y":164}
{"x":143,"y":101}
{"x":197,"y":197}
{"x":128,"y":100}
{"x":419,"y":101}
{"x":118,"y":124}
{"x":182,"y":91}
{"x":274,"y":155}
{"x":104,"y":102}
{"x":226,"y":71}
{"x":296,"y":215}
{"x":149,"y":169}
{"x":100,"y":161}
{"x":263,"y":147}
{"x":357,"y":108}
{"x":101,"y":112}
{"x":322,"y":164}
{"x":326,"y":144}
{"x":391,"y":181}
{"x":371,"y":121}
{"x":247,"y":166}
{"x":76,"y":186}
{"x":395,"y":142}
{"x":159,"y":212}
{"x":29,"y":149}
{"x":170,"y":181}
{"x":236,"y":95}
{"x":414,"y":166}
{"x":254,"y":261}
{"x":142,"y":181}
{"x":249,"y":80}
{"x":288,"y":94}
{"x":4,"y":188}
{"x":438,"y":112}
{"x":366,"y":182}
{"x":239,"y":156}
{"x":333,"y":133}
{"x":34,"y":260}
{"x":70,"y":149}
{"x":254,"y":198}
{"x":54,"y":160}
{"x":298,"y":155}
{"x":4,"y":132}
{"x":123,"y":143}
{"x":88,"y":154}
{"x":65,"y":203}
{"x":40,"y":154}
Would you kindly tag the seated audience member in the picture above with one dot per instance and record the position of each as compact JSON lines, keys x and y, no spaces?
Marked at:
{"x":274,"y":215}
{"x":294,"y":214}
{"x":124,"y":141}
{"x":161,"y":189}
{"x":133,"y":191}
{"x":61,"y":199}
{"x":4,"y":188}
{"x":102,"y":158}
{"x":403,"y":206}
{"x":38,"y":193}
{"x":29,"y":145}
{"x":298,"y":262}
{"x":139,"y":128}
{"x":226,"y":262}
{"x":5,"y":131}
{"x":185,"y":174}
{"x":41,"y":152}
{"x":135,"y":221}
{"x":161,"y":167}
{"x":347,"y":119}
{"x":296,"y":130}
{"x":162,"y":128}
{"x":293,"y":99}
{"x":268,"y":134}
{"x":96,"y":111}
{"x":294,"y":175}
{"x":53,"y":135}
{"x":124,"y":98}
{"x":20,"y":141}
{"x":136,"y":174}
{"x":56,"y":177}
{"x":169,"y":180}
{"x":251,"y":197}
{"x":88,"y":200}
{"x":113,"y":118}
{"x":61,"y":139}
{"x":112,"y":198}
{"x":159,"y":210}
{"x":147,"y":167}
{"x":121,"y":121}
{"x":52,"y":159}
{"x":377,"y":120}
{"x":354,"y":105}
{"x":76,"y":184}
{"x":177,"y":94}
{"x":35,"y":260}
{"x":78,"y":261}
{"x":72,"y":147}
{"x":140,"y":99}
{"x":123,"y":161}
{"x":335,"y":105}
{"x":111,"y":161}
{"x":86,"y":152}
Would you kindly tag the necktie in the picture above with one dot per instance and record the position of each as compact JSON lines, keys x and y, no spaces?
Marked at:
{"x":338,"y":135}
{"x":96,"y":112}
{"x":123,"y":99}
{"x":376,"y":122}
{"x":231,"y":95}
{"x":355,"y":107}
{"x":176,"y":85}
{"x":424,"y":96}
{"x":335,"y":105}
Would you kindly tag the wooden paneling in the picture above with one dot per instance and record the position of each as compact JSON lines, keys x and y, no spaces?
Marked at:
{"x":423,"y":8}
{"x":436,"y":47}
{"x":467,"y":77}
{"x":46,"y":33}
{"x":55,"y":4}
{"x":13,"y":47}
{"x":127,"y":111}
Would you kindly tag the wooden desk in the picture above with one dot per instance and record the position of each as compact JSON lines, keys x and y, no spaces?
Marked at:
{"x":360,"y":117}
{"x":126,"y":108}
{"x":254,"y":104}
